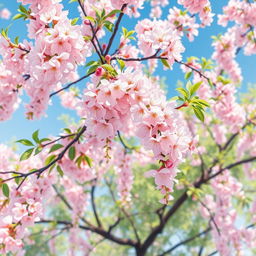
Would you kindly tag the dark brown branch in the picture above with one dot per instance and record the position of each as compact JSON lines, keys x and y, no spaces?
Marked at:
{"x":70,"y":84}
{"x":180,"y":201}
{"x":215,"y":252}
{"x":115,"y":30}
{"x":125,"y":213}
{"x":126,"y":147}
{"x":93,"y":33}
{"x":97,"y":230}
{"x":185,"y":241}
{"x":41,"y":170}
{"x":244,"y":161}
{"x":94,"y":206}
{"x":211,"y":215}
{"x":64,"y":200}
{"x":154,"y":56}
{"x":111,"y":227}
{"x":195,"y":70}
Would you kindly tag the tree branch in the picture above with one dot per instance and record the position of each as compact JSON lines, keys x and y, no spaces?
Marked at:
{"x":185,"y":241}
{"x":97,"y":230}
{"x":115,"y":29}
{"x":93,"y":33}
{"x":70,"y":84}
{"x":94,"y":206}
{"x":41,"y":170}
{"x":244,"y":161}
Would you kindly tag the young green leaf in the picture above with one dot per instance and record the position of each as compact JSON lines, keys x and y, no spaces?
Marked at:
{"x":194,"y":88}
{"x":25,"y":142}
{"x":55,"y":147}
{"x":121,"y":64}
{"x":188,"y":75}
{"x":183,"y":91}
{"x":88,"y":160}
{"x":38,"y":150}
{"x":35,"y":136}
{"x":60,"y":171}
{"x":203,"y":102}
{"x":18,"y":16}
{"x":74,"y":21}
{"x":5,"y":190}
{"x":72,"y":153}
{"x":112,"y":13}
{"x":199,"y":113}
{"x":165,"y":63}
{"x":26,"y":154}
{"x":49,"y":159}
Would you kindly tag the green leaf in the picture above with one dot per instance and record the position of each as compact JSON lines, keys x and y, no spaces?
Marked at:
{"x":125,"y":31}
{"x":23,"y":9}
{"x":103,"y":13}
{"x":16,"y":40}
{"x":67,"y":130}
{"x":17,"y":180}
{"x":79,"y":161}
{"x":130,"y":33}
{"x":49,"y":159}
{"x":60,"y":171}
{"x":188,"y":75}
{"x":74,"y":21}
{"x":38,"y":150}
{"x":88,"y":160}
{"x":165,"y":63}
{"x":90,"y":63}
{"x":109,"y":25}
{"x":18,"y":16}
{"x":5,"y":190}
{"x":183,"y":91}
{"x":108,"y":67}
{"x":90,"y":18}
{"x":52,"y":167}
{"x":44,"y":139}
{"x":92,"y":69}
{"x":55,"y":147}
{"x":112,"y":13}
{"x":199,"y":113}
{"x":87,"y":38}
{"x":194,"y":88}
{"x":26,"y":154}
{"x":121,"y":64}
{"x":35,"y":136}
{"x":203,"y":102}
{"x":72,"y":153}
{"x":25,"y":142}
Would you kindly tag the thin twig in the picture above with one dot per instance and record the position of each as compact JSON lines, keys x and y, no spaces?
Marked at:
{"x":41,"y":170}
{"x":94,"y":206}
{"x":185,"y":242}
{"x":93,"y":33}
{"x":115,"y":29}
{"x":70,"y":84}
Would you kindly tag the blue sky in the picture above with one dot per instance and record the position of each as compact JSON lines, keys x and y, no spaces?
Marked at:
{"x":18,"y":127}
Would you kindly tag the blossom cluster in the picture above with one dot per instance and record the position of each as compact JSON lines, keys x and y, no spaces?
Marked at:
{"x":226,"y":108}
{"x":24,"y":206}
{"x":53,"y":59}
{"x":159,"y":35}
{"x":228,"y":238}
{"x":203,"y":7}
{"x":110,"y":105}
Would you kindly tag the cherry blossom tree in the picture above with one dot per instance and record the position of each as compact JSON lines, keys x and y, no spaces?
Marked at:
{"x":139,"y":173}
